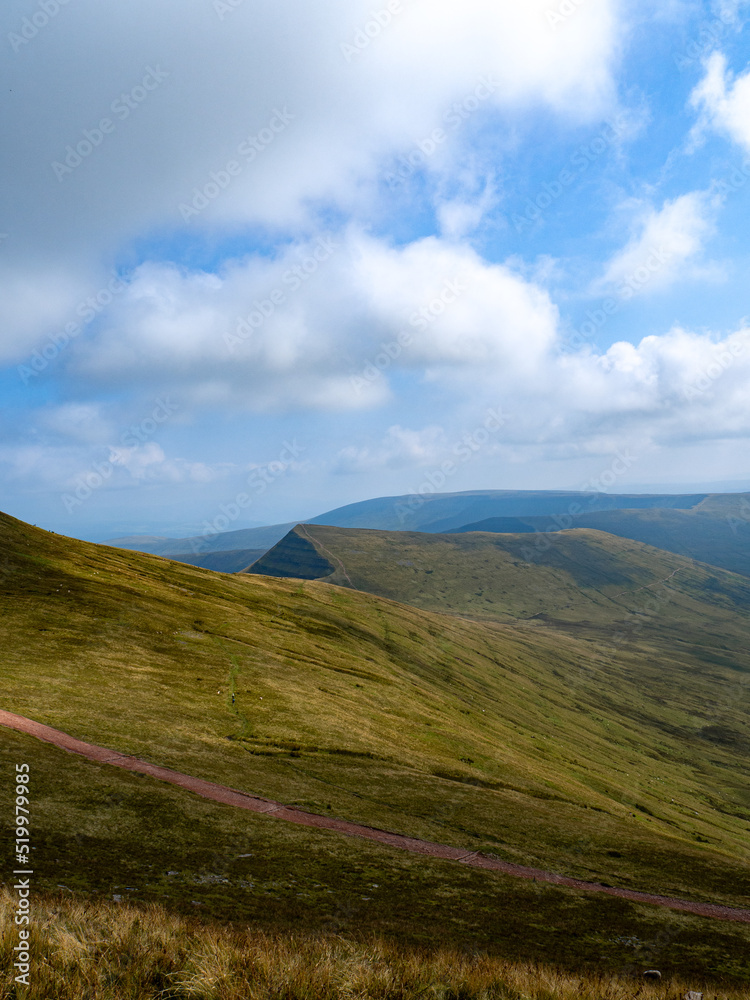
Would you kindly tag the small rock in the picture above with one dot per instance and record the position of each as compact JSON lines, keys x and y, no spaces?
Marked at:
{"x":117,"y":899}
{"x":692,"y":995}
{"x":652,"y":974}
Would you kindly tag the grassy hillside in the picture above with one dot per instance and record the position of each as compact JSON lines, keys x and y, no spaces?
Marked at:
{"x":526,"y":741}
{"x":574,"y":576}
{"x":614,"y":593}
{"x":125,"y":951}
{"x":715,"y":531}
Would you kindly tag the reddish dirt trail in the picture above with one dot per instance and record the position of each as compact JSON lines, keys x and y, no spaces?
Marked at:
{"x":277,"y":810}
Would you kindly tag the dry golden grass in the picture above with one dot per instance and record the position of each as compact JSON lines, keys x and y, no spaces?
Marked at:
{"x":83,"y":950}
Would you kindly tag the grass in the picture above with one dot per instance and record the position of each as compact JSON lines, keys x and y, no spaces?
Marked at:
{"x":104,"y":951}
{"x":530,"y":740}
{"x":569,"y":577}
{"x":100,"y":833}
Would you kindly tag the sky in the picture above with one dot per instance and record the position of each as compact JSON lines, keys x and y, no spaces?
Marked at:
{"x":260,"y":259}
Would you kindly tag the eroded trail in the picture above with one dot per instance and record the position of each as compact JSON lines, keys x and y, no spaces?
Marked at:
{"x":277,"y":810}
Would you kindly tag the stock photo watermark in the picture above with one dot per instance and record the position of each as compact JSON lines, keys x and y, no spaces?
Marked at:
{"x":100,"y":473}
{"x":31,"y":26}
{"x":248,"y":152}
{"x":258,"y":481}
{"x":558,"y":15}
{"x":87,"y":310}
{"x":456,"y":116}
{"x":721,"y":364}
{"x":420,"y":320}
{"x":708,"y":37}
{"x":734,"y":181}
{"x":224,"y":7}
{"x":22,"y":886}
{"x":741,"y":518}
{"x":373,"y":28}
{"x":291,"y":281}
{"x":606,"y":479}
{"x":463,"y":451}
{"x":578,"y":164}
{"x":630,"y":285}
{"x":122,"y":108}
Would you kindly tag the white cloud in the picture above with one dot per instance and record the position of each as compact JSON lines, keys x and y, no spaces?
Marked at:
{"x":77,"y":422}
{"x":460,"y":216}
{"x":724,"y":100}
{"x":300,"y":334}
{"x":680,"y":386}
{"x":348,"y":115}
{"x":303,"y":330}
{"x":664,"y":247}
{"x":666,"y":392}
{"x":224,"y":82}
{"x":400,"y":448}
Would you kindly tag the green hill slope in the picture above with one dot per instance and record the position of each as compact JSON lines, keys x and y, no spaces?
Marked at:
{"x":531,"y":740}
{"x":576,"y":577}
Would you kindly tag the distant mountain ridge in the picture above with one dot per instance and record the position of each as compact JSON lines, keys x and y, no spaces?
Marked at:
{"x":441,"y":512}
{"x":438,"y":512}
{"x":715,"y":531}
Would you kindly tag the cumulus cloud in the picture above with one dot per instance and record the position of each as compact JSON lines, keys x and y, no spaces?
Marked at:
{"x":145,"y":106}
{"x":724,"y":100}
{"x":306,"y":328}
{"x":329,"y":325}
{"x":664,"y":247}
{"x":681,"y":386}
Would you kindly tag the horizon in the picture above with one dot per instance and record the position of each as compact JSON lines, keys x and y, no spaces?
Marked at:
{"x":710,"y":489}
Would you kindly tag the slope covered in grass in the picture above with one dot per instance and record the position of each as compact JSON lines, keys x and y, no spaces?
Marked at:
{"x":572,"y":576}
{"x":527,"y":741}
{"x":106,"y":950}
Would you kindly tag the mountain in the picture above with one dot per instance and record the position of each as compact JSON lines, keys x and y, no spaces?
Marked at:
{"x":440,"y":512}
{"x":548,"y":741}
{"x":716,"y":530}
{"x":432,"y":512}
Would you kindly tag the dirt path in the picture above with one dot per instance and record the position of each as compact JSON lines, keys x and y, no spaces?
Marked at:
{"x":277,"y":810}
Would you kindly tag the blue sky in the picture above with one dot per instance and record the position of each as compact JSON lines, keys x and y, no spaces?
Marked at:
{"x":259,"y":260}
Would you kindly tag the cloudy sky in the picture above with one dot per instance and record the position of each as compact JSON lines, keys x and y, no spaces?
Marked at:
{"x":301,"y":254}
